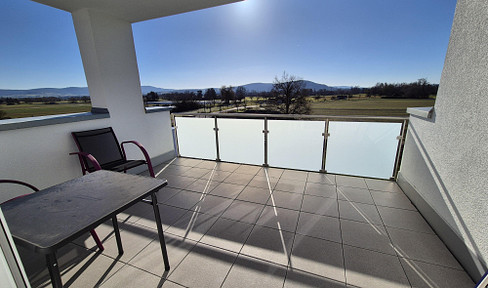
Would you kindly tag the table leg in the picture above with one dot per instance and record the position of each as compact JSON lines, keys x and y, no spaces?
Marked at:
{"x":160,"y":230}
{"x":52,"y":266}
{"x":117,"y":234}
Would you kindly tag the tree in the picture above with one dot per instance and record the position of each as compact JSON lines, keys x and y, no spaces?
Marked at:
{"x":227,"y":94}
{"x":210,"y":94}
{"x":287,"y":95}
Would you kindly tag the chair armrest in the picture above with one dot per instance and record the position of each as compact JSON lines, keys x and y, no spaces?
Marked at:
{"x":143,"y":150}
{"x":19,"y":183}
{"x":88,"y":156}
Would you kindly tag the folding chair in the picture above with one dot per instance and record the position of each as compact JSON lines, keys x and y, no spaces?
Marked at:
{"x":10,"y":181}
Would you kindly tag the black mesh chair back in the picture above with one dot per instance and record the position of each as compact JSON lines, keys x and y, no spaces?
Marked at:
{"x":101,"y":144}
{"x":100,"y":149}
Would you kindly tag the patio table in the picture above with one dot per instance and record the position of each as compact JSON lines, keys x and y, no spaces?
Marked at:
{"x":46,"y":220}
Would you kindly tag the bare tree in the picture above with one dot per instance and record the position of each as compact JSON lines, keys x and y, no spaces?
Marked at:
{"x":287,"y":95}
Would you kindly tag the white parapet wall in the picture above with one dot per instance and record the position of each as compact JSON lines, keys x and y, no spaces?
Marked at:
{"x":40,"y":155}
{"x":445,"y":161}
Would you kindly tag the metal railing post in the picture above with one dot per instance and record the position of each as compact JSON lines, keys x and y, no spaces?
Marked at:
{"x":265,"y":132}
{"x":324,"y":146}
{"x":216,"y":129}
{"x":401,"y":141}
{"x":175,"y":138}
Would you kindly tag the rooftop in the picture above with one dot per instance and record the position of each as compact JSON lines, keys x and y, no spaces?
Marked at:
{"x":232,"y":225}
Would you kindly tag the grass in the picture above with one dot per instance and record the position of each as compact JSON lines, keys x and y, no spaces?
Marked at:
{"x":38,"y":109}
{"x":368,"y":106}
{"x":355,"y":106}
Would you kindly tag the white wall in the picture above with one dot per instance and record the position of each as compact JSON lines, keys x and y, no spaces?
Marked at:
{"x":446,"y":158}
{"x":40,"y":155}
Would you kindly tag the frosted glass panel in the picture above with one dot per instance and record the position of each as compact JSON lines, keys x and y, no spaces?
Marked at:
{"x":296,"y":144}
{"x":362,"y":148}
{"x":241,"y":140}
{"x":196,"y":137}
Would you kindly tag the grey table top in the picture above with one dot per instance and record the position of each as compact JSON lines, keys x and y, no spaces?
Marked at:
{"x":46,"y":220}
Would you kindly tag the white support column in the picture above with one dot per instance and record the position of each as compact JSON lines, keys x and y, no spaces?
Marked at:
{"x":109,"y":58}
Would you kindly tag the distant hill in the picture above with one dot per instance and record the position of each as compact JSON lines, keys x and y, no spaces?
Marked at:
{"x":83,"y":91}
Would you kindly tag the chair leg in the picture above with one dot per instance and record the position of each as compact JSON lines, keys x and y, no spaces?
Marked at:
{"x":97,"y":240}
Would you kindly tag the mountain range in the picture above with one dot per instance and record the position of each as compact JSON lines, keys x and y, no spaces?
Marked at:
{"x":83,"y":91}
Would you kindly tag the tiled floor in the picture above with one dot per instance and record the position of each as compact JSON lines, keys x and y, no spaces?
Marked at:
{"x":230,"y":225}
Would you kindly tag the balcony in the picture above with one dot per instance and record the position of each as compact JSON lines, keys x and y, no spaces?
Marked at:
{"x":235,"y":225}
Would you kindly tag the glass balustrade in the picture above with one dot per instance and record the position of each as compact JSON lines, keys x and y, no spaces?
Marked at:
{"x":367,"y":149}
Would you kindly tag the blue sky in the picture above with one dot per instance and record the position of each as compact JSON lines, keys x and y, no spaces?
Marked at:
{"x":333,"y":42}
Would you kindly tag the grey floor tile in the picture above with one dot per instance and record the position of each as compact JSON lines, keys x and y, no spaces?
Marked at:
{"x":366,"y":268}
{"x":423,"y":275}
{"x":216,"y":175}
{"x":248,"y":169}
{"x":205,"y":266}
{"x":134,"y":238}
{"x":300,"y":279}
{"x":202,"y":186}
{"x":318,"y":256}
{"x":227,"y":234}
{"x":255,"y":195}
{"x":289,"y":185}
{"x":405,"y":219}
{"x":383,"y":185}
{"x":320,"y":205}
{"x":195,"y":172}
{"x":315,"y":177}
{"x":269,"y":244}
{"x":187,"y":161}
{"x":295,"y":175}
{"x":171,"y":170}
{"x":227,"y":167}
{"x":243,"y":211}
{"x":130,"y":276}
{"x":184,"y":199}
{"x":263,"y":182}
{"x":318,"y":226}
{"x":169,"y":215}
{"x":207,"y":165}
{"x":79,"y":267}
{"x":151,"y":259}
{"x":104,"y":231}
{"x":323,"y":190}
{"x":354,"y":194}
{"x":192,"y":225}
{"x":251,"y":272}
{"x":227,"y":190}
{"x":179,"y":181}
{"x":270,"y":172}
{"x":351,"y":181}
{"x":367,"y":236}
{"x":393,"y":200}
{"x":286,"y":200}
{"x":422,"y":246}
{"x":166,"y":193}
{"x":279,"y":218}
{"x":359,"y":212}
{"x":238,"y":178}
{"x":212,"y":205}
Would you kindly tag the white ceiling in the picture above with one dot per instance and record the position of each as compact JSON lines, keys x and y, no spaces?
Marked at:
{"x":136,"y":10}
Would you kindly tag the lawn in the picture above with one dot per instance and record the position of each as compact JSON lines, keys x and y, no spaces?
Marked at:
{"x":367,"y":106}
{"x":29,"y":110}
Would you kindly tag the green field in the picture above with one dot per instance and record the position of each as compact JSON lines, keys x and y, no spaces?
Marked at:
{"x":368,"y":106}
{"x":355,"y":106}
{"x":30,"y":110}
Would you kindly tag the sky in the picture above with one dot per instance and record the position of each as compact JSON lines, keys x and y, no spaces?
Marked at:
{"x":332,"y":42}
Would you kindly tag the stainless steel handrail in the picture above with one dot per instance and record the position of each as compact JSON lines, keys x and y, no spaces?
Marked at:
{"x":326,"y":118}
{"x":292,"y":116}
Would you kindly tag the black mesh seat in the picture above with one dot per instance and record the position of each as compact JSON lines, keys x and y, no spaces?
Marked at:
{"x":100,"y":149}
